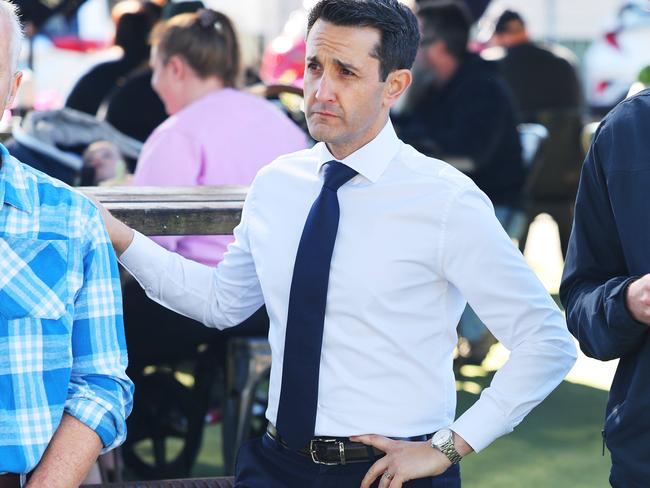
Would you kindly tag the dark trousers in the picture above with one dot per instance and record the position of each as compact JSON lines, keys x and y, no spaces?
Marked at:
{"x":263,"y":463}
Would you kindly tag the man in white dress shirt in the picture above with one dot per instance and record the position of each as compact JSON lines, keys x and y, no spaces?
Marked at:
{"x":365,"y":253}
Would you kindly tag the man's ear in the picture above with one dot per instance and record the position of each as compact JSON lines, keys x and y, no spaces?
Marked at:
{"x":396,"y":84}
{"x":15,"y":83}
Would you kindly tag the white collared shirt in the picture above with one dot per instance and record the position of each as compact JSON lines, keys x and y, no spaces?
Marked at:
{"x":416,"y":239}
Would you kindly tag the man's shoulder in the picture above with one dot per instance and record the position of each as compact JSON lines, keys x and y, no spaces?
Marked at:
{"x":620,"y":133}
{"x":290,"y":164}
{"x":630,"y":111}
{"x":431,"y":171}
{"x":45,"y":182}
{"x":411,"y":165}
{"x":50,"y":195}
{"x":171,"y":124}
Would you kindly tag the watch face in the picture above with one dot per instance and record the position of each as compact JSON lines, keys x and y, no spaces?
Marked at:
{"x":441,"y":436}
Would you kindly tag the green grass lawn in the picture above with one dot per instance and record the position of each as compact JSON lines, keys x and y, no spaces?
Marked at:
{"x":558,"y":445}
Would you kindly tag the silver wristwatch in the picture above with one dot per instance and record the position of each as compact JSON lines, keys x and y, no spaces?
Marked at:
{"x":443,"y":440}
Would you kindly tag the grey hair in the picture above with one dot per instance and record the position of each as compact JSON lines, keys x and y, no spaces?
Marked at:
{"x":9,"y":11}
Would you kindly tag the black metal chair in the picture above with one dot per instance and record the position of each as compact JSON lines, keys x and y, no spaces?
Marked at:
{"x":533,"y":138}
{"x":552,"y":181}
{"x":169,"y":411}
{"x":247,"y":375}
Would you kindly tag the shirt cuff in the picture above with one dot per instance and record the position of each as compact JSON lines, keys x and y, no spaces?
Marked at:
{"x":481,"y":424}
{"x":144,"y":259}
{"x":98,"y":418}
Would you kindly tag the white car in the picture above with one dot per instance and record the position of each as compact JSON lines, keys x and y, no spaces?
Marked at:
{"x":613,"y":61}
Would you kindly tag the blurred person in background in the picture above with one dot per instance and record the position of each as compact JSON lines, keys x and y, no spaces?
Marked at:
{"x":120,"y":91}
{"x":106,"y":165}
{"x":132,"y":28}
{"x":283,"y":60}
{"x":467,"y":114}
{"x":134,"y":108}
{"x":215,"y":135}
{"x":547,"y":91}
{"x":540,"y":77}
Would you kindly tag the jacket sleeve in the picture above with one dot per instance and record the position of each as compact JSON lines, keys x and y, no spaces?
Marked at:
{"x":596,"y":276}
{"x":100,"y":394}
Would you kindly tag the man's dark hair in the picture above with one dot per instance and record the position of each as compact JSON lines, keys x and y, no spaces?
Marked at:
{"x":504,"y":23}
{"x":448,"y":22}
{"x":397,"y":25}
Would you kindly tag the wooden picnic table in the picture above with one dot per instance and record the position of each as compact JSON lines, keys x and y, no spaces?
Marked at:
{"x":160,"y":211}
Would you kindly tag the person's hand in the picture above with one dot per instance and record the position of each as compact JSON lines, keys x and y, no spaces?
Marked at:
{"x":404,"y":461}
{"x":637,"y":299}
{"x":120,"y":234}
{"x":106,"y":159}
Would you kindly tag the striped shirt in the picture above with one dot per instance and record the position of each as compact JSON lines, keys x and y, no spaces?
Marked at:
{"x":62,"y":346}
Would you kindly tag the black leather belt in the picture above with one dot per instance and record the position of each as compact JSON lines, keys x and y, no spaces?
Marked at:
{"x":333,"y":451}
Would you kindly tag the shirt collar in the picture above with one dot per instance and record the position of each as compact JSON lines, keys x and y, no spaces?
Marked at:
{"x":14,"y":188}
{"x":371,"y":160}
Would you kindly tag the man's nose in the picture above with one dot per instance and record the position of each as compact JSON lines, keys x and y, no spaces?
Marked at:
{"x":325,"y":91}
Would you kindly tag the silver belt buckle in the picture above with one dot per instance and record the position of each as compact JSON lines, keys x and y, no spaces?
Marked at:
{"x":312,"y":451}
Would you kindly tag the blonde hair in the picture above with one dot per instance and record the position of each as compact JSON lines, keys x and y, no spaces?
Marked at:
{"x":206,"y":40}
{"x":9,"y":11}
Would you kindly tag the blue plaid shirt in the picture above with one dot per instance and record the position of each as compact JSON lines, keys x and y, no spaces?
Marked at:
{"x":62,"y":346}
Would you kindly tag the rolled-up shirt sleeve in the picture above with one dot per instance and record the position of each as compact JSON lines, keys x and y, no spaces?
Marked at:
{"x":480,"y":260}
{"x":100,"y":394}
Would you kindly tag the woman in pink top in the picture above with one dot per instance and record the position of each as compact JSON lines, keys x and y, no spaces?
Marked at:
{"x":215,"y":135}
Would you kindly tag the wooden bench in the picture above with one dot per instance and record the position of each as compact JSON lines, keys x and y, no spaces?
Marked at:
{"x":156,"y":211}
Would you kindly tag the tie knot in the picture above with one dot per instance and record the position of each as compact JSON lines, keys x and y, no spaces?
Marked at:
{"x":337,"y":174}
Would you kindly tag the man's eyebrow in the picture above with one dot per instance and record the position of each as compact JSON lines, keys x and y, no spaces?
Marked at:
{"x":346,"y":66}
{"x":338,"y":62}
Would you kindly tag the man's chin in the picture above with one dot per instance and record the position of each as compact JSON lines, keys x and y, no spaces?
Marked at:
{"x":321,"y":133}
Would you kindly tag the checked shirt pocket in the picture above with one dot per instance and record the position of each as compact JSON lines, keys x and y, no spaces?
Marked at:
{"x":33,"y":276}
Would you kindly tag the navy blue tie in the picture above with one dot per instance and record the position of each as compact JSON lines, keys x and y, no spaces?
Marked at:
{"x":308,"y":296}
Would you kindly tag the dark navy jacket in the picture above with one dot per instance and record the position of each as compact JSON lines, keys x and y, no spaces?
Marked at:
{"x":610,"y":247}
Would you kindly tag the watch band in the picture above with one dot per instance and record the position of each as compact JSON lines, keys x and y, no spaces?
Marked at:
{"x":447,"y":447}
{"x":449,"y":450}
